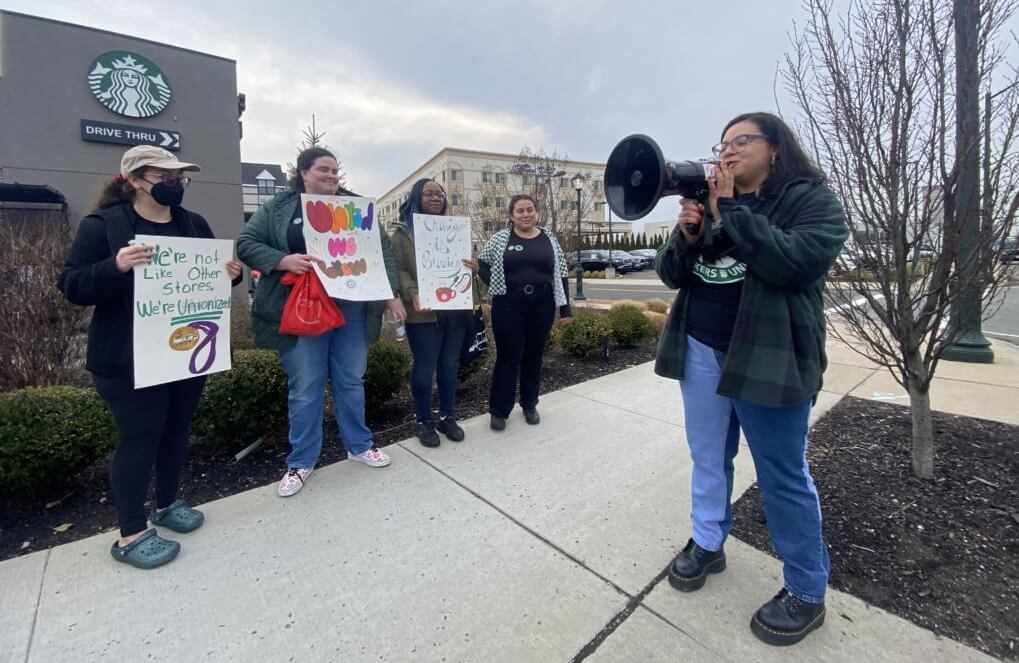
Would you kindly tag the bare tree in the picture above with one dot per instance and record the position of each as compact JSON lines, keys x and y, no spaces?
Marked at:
{"x":875,"y":89}
{"x":547,"y":176}
{"x":312,"y":137}
{"x":41,"y":333}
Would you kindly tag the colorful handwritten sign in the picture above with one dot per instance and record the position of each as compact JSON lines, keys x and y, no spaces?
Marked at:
{"x":440,"y":244}
{"x":342,"y":236}
{"x":181,"y":310}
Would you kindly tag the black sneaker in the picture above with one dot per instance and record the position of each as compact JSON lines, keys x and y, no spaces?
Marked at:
{"x":532,"y":416}
{"x":497,"y":423}
{"x":448,"y":427}
{"x":426,"y":433}
{"x":785,"y":620}
{"x":691,"y":567}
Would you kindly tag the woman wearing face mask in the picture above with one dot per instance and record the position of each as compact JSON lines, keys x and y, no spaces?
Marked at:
{"x":273,"y":243}
{"x":525,"y":271}
{"x":435,"y":337}
{"x":153,"y":423}
{"x":746,"y":341}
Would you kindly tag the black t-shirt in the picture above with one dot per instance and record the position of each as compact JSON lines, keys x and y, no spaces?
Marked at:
{"x":295,"y":231}
{"x":143,"y":226}
{"x":528,"y":261}
{"x":714,"y":302}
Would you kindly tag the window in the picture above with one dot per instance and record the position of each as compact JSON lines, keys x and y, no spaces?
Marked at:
{"x":500,"y":178}
{"x":486,"y":202}
{"x":528,"y":179}
{"x":486,"y":176}
{"x":455,"y":175}
{"x":500,"y":202}
{"x":564,"y":182}
{"x":564,"y":205}
{"x":266,"y":188}
{"x":457,"y":200}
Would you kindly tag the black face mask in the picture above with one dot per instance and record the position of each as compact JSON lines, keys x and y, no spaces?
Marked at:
{"x":167,"y":194}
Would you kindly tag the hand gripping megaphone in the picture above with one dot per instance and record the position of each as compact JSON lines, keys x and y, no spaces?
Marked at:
{"x":637,"y":176}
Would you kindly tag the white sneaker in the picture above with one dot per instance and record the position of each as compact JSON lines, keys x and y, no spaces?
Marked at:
{"x":293,"y":481}
{"x":373,"y":457}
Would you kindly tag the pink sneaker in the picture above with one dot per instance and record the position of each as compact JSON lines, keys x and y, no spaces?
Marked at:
{"x":373,"y":457}
{"x":293,"y":481}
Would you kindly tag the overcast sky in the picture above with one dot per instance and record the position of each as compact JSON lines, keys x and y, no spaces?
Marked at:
{"x":393,"y":82}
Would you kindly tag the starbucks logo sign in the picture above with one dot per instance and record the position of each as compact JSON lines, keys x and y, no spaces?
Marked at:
{"x":128,"y":84}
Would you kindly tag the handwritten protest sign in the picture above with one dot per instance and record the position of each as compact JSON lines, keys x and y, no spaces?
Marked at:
{"x":440,"y":243}
{"x":181,"y":310}
{"x":343,"y":238}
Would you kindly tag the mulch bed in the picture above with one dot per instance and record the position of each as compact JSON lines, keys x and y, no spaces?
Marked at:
{"x":942,"y":554}
{"x":85,"y":507}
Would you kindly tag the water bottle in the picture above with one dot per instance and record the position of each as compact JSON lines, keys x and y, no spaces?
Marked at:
{"x":401,"y":331}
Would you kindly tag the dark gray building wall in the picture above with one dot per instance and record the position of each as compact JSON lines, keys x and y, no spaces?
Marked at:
{"x":44,"y":95}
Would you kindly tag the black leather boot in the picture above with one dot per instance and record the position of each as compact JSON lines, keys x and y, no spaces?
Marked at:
{"x":448,"y":427}
{"x":496,"y":422}
{"x":691,"y":567}
{"x":785,"y":620}
{"x":531,"y":416}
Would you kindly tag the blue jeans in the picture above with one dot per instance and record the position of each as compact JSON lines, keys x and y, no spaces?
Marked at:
{"x":435,"y":347}
{"x":343,"y":354}
{"x":777,"y":437}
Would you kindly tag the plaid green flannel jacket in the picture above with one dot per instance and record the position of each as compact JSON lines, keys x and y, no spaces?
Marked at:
{"x":776,"y":356}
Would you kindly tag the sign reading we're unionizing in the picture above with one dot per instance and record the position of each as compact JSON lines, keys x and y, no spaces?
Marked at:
{"x":441,"y":243}
{"x":129,"y":84}
{"x":181,"y":310}
{"x":342,"y":237}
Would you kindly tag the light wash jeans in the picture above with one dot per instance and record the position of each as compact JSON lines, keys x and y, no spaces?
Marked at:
{"x":342,"y":354}
{"x":777,"y":437}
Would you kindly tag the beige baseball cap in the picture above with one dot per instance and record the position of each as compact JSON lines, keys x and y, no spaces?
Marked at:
{"x":141,"y":156}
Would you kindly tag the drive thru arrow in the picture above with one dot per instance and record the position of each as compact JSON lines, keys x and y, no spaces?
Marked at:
{"x":168,"y":139}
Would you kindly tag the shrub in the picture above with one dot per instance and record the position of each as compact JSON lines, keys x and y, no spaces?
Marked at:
{"x":464,"y":373}
{"x":554,"y":335}
{"x":246,"y":402}
{"x":388,"y":370}
{"x":583,"y":335}
{"x":657,"y":305}
{"x":49,"y":434}
{"x":657,"y":321}
{"x":241,"y":335}
{"x":629,"y":325}
{"x":633,"y":303}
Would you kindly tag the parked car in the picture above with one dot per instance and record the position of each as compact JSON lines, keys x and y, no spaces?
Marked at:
{"x":647,"y":256}
{"x":1009,"y":250}
{"x":590,"y":261}
{"x":637,"y":263}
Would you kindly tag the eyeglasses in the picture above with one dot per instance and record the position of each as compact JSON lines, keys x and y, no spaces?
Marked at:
{"x":169,"y":178}
{"x":738,"y":144}
{"x":433,"y":194}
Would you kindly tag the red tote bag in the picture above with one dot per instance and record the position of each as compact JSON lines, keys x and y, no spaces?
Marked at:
{"x":309,"y":310}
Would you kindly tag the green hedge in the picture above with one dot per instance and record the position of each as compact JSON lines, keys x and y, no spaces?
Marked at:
{"x":246,"y":402}
{"x":629,"y":325}
{"x":583,"y":335}
{"x":49,"y":434}
{"x":388,"y":372}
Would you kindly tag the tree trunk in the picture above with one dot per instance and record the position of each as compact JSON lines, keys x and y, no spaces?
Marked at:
{"x":923,"y":425}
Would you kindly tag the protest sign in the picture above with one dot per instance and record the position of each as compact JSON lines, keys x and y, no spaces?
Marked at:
{"x":441,"y":243}
{"x":342,"y":236}
{"x":181,"y":310}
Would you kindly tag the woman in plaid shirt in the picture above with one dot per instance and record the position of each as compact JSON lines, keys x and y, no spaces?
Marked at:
{"x":746,"y":338}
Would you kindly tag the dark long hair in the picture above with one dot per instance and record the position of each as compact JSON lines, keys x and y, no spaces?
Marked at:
{"x":117,"y":190}
{"x":412,"y":204}
{"x":790,"y":159}
{"x":305,"y":160}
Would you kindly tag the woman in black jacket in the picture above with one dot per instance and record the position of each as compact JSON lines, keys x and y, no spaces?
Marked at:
{"x":153,"y":423}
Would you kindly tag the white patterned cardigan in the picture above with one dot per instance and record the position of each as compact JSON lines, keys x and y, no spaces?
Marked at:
{"x":493,"y":253}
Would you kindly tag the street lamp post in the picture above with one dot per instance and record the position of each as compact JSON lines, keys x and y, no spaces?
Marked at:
{"x":610,"y":269}
{"x":578,"y":184}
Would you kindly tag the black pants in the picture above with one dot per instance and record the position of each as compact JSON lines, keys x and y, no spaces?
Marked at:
{"x":154,"y":425}
{"x":521,"y":323}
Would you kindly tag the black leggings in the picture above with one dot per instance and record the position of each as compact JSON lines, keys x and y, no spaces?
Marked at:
{"x":520,"y":324}
{"x":154,"y":424}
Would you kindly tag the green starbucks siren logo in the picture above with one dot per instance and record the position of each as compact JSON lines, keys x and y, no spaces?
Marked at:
{"x":128,"y":84}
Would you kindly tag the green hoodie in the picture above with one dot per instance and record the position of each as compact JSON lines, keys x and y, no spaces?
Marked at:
{"x":261,"y":246}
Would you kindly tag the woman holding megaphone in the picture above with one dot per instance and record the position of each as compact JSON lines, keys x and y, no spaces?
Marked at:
{"x":746,"y":338}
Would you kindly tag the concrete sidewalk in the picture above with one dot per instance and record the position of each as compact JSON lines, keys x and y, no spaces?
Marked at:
{"x":536,"y":544}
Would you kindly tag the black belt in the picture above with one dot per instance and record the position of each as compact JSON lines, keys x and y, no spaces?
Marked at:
{"x":530,"y":289}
